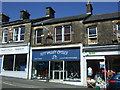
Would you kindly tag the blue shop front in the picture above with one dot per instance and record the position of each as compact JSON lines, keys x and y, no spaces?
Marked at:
{"x":61,"y":63}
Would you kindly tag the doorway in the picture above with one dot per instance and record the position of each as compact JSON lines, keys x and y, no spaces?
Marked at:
{"x":57,"y":70}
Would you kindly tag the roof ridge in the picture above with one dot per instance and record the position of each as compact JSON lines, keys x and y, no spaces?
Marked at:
{"x":106,"y":13}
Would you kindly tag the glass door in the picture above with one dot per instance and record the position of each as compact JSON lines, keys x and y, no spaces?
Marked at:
{"x":57,"y":69}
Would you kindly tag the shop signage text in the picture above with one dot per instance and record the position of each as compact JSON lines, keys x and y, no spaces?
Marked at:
{"x":103,"y":53}
{"x":13,"y":50}
{"x":62,"y":54}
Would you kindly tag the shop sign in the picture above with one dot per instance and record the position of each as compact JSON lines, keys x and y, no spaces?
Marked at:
{"x":61,"y":54}
{"x":103,"y":53}
{"x":13,"y":50}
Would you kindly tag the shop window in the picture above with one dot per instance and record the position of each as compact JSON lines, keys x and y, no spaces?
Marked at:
{"x":19,"y":33}
{"x":92,"y":35}
{"x":5,"y":36}
{"x":8,"y":62}
{"x":63,"y":33}
{"x":20,"y":62}
{"x":38,"y":36}
{"x":40,"y":70}
{"x":15,"y":62}
{"x":73,"y":70}
{"x":118,"y":30}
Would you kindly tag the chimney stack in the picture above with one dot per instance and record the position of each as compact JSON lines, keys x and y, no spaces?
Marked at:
{"x":24,"y":15}
{"x":4,"y":18}
{"x":89,"y":8}
{"x":50,"y":12}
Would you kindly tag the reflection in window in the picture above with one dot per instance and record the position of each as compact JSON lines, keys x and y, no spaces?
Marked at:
{"x":63,"y":33}
{"x":40,"y":70}
{"x":19,"y":33}
{"x":67,"y":32}
{"x":73,"y":70}
{"x":59,"y":33}
{"x":118,"y":33}
{"x":92,"y":32}
{"x":15,"y":62}
{"x":20,"y":62}
{"x":8,"y":62}
{"x":119,"y":27}
{"x":39,"y":33}
{"x":5,"y":36}
{"x":92,"y":35}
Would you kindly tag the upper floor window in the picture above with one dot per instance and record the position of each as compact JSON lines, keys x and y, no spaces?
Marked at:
{"x":63,"y":33}
{"x":92,"y":32}
{"x":19,"y":33}
{"x":5,"y":36}
{"x":38,"y":36}
{"x":92,"y":35}
{"x":118,"y":28}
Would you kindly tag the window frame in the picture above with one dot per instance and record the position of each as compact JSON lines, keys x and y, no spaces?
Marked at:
{"x":63,"y":34}
{"x":118,"y":30}
{"x":36,"y":35}
{"x":93,"y":36}
{"x":14,"y":62}
{"x":4,"y":36}
{"x":18,"y":34}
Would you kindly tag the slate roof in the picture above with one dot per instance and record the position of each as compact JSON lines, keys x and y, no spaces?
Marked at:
{"x":103,"y":17}
{"x":86,"y":17}
{"x":23,"y":21}
{"x":63,"y":19}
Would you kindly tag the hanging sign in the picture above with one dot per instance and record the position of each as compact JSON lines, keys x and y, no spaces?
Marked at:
{"x":61,"y":54}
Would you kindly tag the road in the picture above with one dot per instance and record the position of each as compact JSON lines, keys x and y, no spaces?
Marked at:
{"x":9,"y":82}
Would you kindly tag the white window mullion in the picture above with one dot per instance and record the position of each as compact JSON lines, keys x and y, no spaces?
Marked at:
{"x":62,"y":33}
{"x":96,"y":33}
{"x":14,"y":34}
{"x":88,"y":32}
{"x":35,"y":36}
{"x":19,"y":30}
{"x":70,"y":33}
{"x":3,"y":37}
{"x":55,"y":35}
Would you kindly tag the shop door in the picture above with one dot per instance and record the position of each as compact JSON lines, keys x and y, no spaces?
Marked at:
{"x":57,"y":70}
{"x":0,"y":64}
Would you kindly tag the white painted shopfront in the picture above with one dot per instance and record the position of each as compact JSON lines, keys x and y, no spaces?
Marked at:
{"x":63,"y":64}
{"x":14,"y":61}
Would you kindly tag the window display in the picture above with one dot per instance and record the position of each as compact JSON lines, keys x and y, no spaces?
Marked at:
{"x":73,"y":70}
{"x":40,"y":70}
{"x":15,"y":62}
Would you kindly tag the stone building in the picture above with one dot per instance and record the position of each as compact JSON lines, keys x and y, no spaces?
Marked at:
{"x":15,"y":37}
{"x":60,"y":49}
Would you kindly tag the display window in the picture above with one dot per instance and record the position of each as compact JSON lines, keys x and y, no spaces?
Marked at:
{"x":15,"y":62}
{"x":73,"y":70}
{"x":40,"y":70}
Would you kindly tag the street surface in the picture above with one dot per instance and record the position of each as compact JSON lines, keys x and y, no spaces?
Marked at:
{"x":10,"y":82}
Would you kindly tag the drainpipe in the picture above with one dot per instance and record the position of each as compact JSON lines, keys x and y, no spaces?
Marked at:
{"x":30,"y":55}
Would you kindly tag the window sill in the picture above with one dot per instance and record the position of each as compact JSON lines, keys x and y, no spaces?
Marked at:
{"x":4,"y":42}
{"x":63,"y":42}
{"x":18,"y":41}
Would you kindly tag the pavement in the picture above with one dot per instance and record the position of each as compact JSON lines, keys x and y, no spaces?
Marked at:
{"x":10,"y":82}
